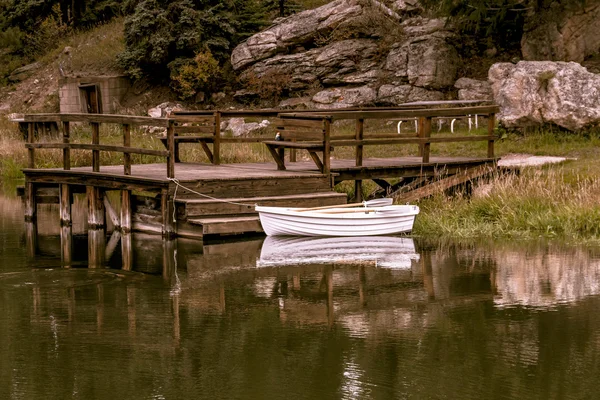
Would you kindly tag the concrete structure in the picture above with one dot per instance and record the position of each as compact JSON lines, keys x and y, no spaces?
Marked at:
{"x":100,"y":95}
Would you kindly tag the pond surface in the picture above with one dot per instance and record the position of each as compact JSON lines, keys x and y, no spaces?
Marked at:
{"x":384,"y":318}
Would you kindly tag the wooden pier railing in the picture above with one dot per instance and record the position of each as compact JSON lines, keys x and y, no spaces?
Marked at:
{"x":95,"y":120}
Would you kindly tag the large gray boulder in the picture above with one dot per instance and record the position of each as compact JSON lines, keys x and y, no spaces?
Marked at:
{"x":394,"y":95}
{"x":531,"y":93}
{"x":565,"y":31}
{"x":302,"y":28}
{"x":345,"y":97}
{"x":473,"y":89}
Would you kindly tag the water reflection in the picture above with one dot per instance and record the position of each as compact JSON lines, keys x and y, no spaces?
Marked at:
{"x":367,"y":318}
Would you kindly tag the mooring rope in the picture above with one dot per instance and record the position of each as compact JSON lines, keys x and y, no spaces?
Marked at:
{"x":178,"y":184}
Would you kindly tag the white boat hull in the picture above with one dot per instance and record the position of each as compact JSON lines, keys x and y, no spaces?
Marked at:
{"x":386,"y":220}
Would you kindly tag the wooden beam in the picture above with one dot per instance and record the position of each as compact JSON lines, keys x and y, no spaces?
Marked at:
{"x":426,"y":136}
{"x":95,"y":208}
{"x":96,"y":247}
{"x":491,"y":127}
{"x":66,"y":246}
{"x":126,"y":143}
{"x":97,"y":118}
{"x":30,"y":139}
{"x":446,"y":183}
{"x":111,"y":212}
{"x":125,"y":211}
{"x":98,"y":147}
{"x":326,"y":147}
{"x":66,"y":150}
{"x":65,"y":204}
{"x":95,"y":152}
{"x":171,"y":150}
{"x":217,"y":142}
{"x":126,"y":252}
{"x":167,"y":208}
{"x":30,"y":202}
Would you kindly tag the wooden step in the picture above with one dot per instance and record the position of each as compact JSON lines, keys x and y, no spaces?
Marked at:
{"x":190,"y":208}
{"x":256,"y":187}
{"x":225,"y":225}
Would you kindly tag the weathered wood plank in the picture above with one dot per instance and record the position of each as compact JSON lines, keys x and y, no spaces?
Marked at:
{"x":446,"y":183}
{"x":98,"y":147}
{"x":195,"y":129}
{"x":301,"y":135}
{"x":95,"y":208}
{"x":96,"y":118}
{"x":414,"y":140}
{"x":193,"y":119}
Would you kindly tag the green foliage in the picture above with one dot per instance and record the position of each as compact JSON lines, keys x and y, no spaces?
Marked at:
{"x":159,"y":32}
{"x":203,"y":74}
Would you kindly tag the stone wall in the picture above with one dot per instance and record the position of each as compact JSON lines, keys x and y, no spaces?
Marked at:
{"x":112,"y":91}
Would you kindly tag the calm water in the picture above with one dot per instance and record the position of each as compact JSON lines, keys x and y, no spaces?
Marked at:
{"x":389,"y":318}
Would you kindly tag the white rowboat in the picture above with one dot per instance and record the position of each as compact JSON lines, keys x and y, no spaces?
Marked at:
{"x":337,"y":221}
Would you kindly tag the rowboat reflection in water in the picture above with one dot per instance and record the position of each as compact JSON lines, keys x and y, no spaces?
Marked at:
{"x":380,"y":251}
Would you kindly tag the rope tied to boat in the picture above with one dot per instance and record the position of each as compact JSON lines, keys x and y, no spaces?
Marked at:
{"x":178,"y":184}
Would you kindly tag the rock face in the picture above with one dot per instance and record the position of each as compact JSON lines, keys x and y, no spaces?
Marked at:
{"x":532,"y":93}
{"x":473,"y":89}
{"x":350,"y":53}
{"x":566,"y":31}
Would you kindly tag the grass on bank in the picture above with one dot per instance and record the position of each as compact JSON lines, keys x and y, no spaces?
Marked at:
{"x":557,"y":201}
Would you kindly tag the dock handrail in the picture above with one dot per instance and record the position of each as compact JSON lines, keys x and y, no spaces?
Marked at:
{"x":95,"y":120}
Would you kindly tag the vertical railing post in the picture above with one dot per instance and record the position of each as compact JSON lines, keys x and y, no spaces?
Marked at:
{"x":30,"y":140}
{"x":66,"y":150}
{"x":171,"y":149}
{"x":491,"y":126}
{"x":359,"y":134}
{"x":326,"y":145}
{"x":217,"y":139}
{"x":127,"y":143}
{"x":426,"y":132}
{"x":420,"y":125}
{"x":95,"y":140}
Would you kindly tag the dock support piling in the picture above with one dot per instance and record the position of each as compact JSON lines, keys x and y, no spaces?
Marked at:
{"x":65,"y":205}
{"x":66,"y":245}
{"x":167,"y":207}
{"x":96,"y":247}
{"x":125,"y":211}
{"x":95,"y":208}
{"x":30,"y":202}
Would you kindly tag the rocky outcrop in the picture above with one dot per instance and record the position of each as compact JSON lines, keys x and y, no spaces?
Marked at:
{"x":473,"y":89}
{"x":299,"y":29}
{"x":566,"y":31}
{"x":24,"y":72}
{"x":410,"y":60}
{"x":531,"y":93}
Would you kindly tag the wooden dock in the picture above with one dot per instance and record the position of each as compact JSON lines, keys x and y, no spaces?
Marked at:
{"x":197,"y":200}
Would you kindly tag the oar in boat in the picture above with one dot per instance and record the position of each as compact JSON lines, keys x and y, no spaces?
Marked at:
{"x":371,"y":203}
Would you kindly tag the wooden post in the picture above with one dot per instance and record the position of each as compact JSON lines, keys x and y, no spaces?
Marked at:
{"x":167,"y":207}
{"x":491,"y":126}
{"x":95,"y":140}
{"x":127,"y":143}
{"x":171,"y":148}
{"x":426,"y":134}
{"x":96,"y":247}
{"x":111,"y":246}
{"x":31,"y":234}
{"x":30,"y":202}
{"x":420,"y":126}
{"x":217,"y":140}
{"x":125,"y":211}
{"x":126,"y":252}
{"x":30,"y":139}
{"x":95,"y":208}
{"x":326,"y":145}
{"x":66,"y":151}
{"x":112,"y":214}
{"x":64,"y":195}
{"x":66,"y":246}
{"x":359,"y":134}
